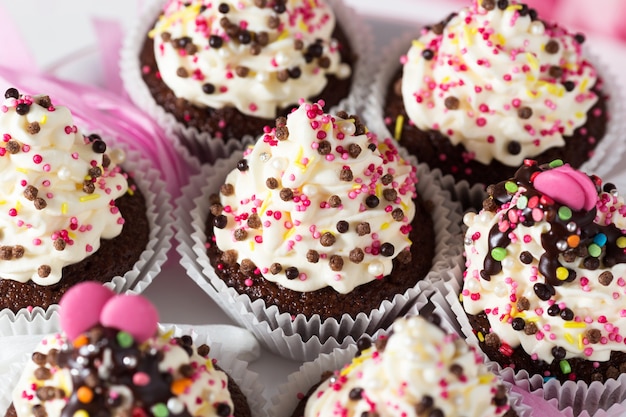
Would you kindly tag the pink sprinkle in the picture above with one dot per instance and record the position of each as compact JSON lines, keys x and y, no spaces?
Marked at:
{"x":248,"y":282}
{"x":253,"y":107}
{"x":88,"y":248}
{"x":481,"y":121}
{"x":46,"y":168}
{"x":12,"y":212}
{"x":36,"y":241}
{"x":141,"y":379}
{"x":26,"y":148}
{"x":37,"y":159}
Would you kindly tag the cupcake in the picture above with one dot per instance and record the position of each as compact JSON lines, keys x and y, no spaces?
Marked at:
{"x":490,"y":86}
{"x":544,"y":287}
{"x":227,"y":69}
{"x":111,"y":359}
{"x":417,"y":370}
{"x":320,"y":222}
{"x":71,"y":213}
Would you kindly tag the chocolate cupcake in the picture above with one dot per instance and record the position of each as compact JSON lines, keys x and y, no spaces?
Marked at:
{"x":111,"y":358}
{"x":72,"y":213}
{"x":490,"y":86}
{"x":322,"y":224}
{"x":416,"y":369}
{"x":227,"y":69}
{"x":543,"y":287}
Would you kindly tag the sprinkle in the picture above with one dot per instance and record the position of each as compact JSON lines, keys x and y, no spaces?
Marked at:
{"x":565,"y":213}
{"x":574,"y":325}
{"x":569,"y":338}
{"x":600,"y":239}
{"x":565,"y":367}
{"x":562,"y":273}
{"x":160,"y":410}
{"x":498,"y":254}
{"x":141,"y":378}
{"x":398,"y":127}
{"x":84,"y":394}
{"x":511,"y":187}
{"x":124,"y":339}
{"x":64,"y":208}
{"x":89,"y":197}
{"x":573,"y":241}
{"x":594,"y":250}
{"x":621,"y":242}
{"x":80,"y":413}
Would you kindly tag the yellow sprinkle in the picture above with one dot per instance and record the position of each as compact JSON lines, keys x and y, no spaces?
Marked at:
{"x":209,"y":364}
{"x":283,"y":35}
{"x":530,"y":78}
{"x":569,"y":338}
{"x":130,"y":192}
{"x":480,"y":336}
{"x":167,"y":335}
{"x":289,"y":233}
{"x":583,"y":84}
{"x":384,"y":226}
{"x":532,"y":60}
{"x":298,"y":158}
{"x":379,"y":189}
{"x":64,"y":208}
{"x":303,"y":26}
{"x":580,"y":341}
{"x":89,"y":197}
{"x":486,"y":378}
{"x":417,"y":44}
{"x":187,"y":14}
{"x":461,"y":300}
{"x":579,"y":115}
{"x":18,"y":205}
{"x":398,"y":130}
{"x":468,"y":35}
{"x":445,"y":79}
{"x":3,"y":201}
{"x":556,"y":90}
{"x":80,"y":413}
{"x":44,"y":119}
{"x":532,"y":319}
{"x":533,"y":94}
{"x":574,"y":325}
{"x":501,"y":39}
{"x":505,"y":318}
{"x":514,"y":7}
{"x":366,"y":354}
{"x":71,"y":235}
{"x":251,"y":244}
{"x":22,"y":170}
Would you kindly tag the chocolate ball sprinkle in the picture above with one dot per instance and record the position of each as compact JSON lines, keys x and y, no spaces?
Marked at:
{"x":227,"y":190}
{"x":554,"y":310}
{"x":240,"y":234}
{"x":182,"y":72}
{"x":44,"y":270}
{"x":40,"y":203}
{"x":286,"y":194}
{"x":523,"y":304}
{"x":518,"y":323}
{"x":334,"y":201}
{"x":282,"y":133}
{"x":387,"y":249}
{"x":12,"y":93}
{"x":223,"y":8}
{"x":555,"y":71}
{"x":98,"y":146}
{"x":12,"y":147}
{"x":605,"y":278}
{"x":17,"y":251}
{"x":222,"y":409}
{"x":229,"y":257}
{"x":33,"y":128}
{"x":275,"y":268}
{"x":354,"y":150}
{"x":552,"y":47}
{"x":336,"y":263}
{"x":346,"y":174}
{"x":355,"y":393}
{"x":242,"y":71}
{"x":567,"y":314}
{"x":363,"y":229}
{"x":59,"y":244}
{"x":342,"y":226}
{"x":488,"y":4}
{"x":503,"y":4}
{"x":558,"y":352}
{"x":580,"y":38}
{"x":247,"y":266}
{"x":327,"y":239}
{"x":220,"y":221}
{"x":39,"y":358}
{"x":254,"y":221}
{"x":242,"y":165}
{"x":531,"y":328}
{"x":30,"y":192}
{"x":208,"y":88}
{"x":216,"y":209}
{"x":312,"y":256}
{"x":594,"y":335}
{"x":397,"y":214}
{"x":452,"y":103}
{"x":292,"y":272}
{"x":22,"y":109}
{"x":569,"y":86}
{"x":45,"y":102}
{"x":492,"y":340}
{"x":372,"y":201}
{"x":524,"y":112}
{"x":271,"y":183}
{"x":356,"y":255}
{"x":216,"y":41}
{"x":514,"y":147}
{"x":428,"y":54}
{"x":324,"y":147}
{"x":390,"y":194}
{"x":386,"y":179}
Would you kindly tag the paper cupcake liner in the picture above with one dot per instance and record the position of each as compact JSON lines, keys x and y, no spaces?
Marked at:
{"x":300,"y":382}
{"x":592,"y":399}
{"x":607,"y":153}
{"x":203,"y":146}
{"x":298,"y":337}
{"x":248,"y":381}
{"x":147,"y":267}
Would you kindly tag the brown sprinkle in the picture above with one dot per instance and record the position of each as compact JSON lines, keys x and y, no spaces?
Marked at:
{"x":334,"y":201}
{"x":523,"y":304}
{"x":263,"y":38}
{"x":327,"y":239}
{"x":273,"y":22}
{"x":386,"y":179}
{"x":336,"y":263}
{"x":227,"y":189}
{"x":282,"y":133}
{"x":254,"y":221}
{"x":12,"y":147}
{"x":492,"y":340}
{"x":39,"y":410}
{"x":286,"y":194}
{"x":438,"y":28}
{"x":324,"y":147}
{"x":346,"y":175}
{"x":39,"y":358}
{"x":363,"y":229}
{"x":271,"y":183}
{"x":242,"y":71}
{"x":44,"y":101}
{"x":324,"y":62}
{"x":390,"y":194}
{"x":312,"y":256}
{"x":488,"y":4}
{"x":605,"y":278}
{"x":397,"y":214}
{"x":552,"y":47}
{"x":275,"y":268}
{"x":255,"y":49}
{"x":40,"y":203}
{"x":451,"y":103}
{"x":357,"y":255}
{"x":240,"y":234}
{"x":354,"y":150}
{"x":33,"y":128}
{"x":203,"y":350}
{"x":524,"y":112}
{"x":95,"y":172}
{"x":30,"y":192}
{"x":182,"y":72}
{"x":59,"y":244}
{"x":594,"y":335}
{"x":6,"y":253}
{"x":229,"y":257}
{"x":281,"y":121}
{"x":298,"y":45}
{"x":555,"y":71}
{"x":342,"y":114}
{"x":247,"y":266}
{"x":216,"y":209}
{"x":42,"y":373}
{"x":282,"y":75}
{"x":530,"y":328}
{"x":89,"y":187}
{"x":44,"y":270}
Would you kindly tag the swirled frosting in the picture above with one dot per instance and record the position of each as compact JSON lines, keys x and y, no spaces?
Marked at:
{"x":419,"y":371}
{"x":497,"y":80}
{"x":58,"y":192}
{"x":252,"y":55}
{"x":546,"y":262}
{"x":97,"y":375}
{"x":317,"y":202}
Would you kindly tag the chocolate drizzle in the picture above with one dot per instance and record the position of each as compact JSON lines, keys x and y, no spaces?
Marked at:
{"x":506,"y":196}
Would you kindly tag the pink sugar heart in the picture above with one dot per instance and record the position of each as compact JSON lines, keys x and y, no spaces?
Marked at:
{"x":568,"y":186}
{"x":80,"y":307}
{"x":133,"y":314}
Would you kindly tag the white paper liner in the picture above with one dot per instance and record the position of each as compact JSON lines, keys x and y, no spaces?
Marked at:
{"x":578,"y":396}
{"x":147,"y":267}
{"x":301,"y":338}
{"x":202,"y":145}
{"x":248,"y":381}
{"x":300,"y":382}
{"x":607,"y":154}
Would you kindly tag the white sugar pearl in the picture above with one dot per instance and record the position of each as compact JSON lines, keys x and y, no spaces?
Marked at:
{"x":375,"y":268}
{"x":537,"y":28}
{"x":64,"y":173}
{"x":117,"y":156}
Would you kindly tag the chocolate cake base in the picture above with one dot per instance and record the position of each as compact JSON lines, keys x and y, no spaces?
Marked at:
{"x":326,"y":301}
{"x":229,"y":122}
{"x":427,"y":146}
{"x":114,"y":257}
{"x":581,"y":370}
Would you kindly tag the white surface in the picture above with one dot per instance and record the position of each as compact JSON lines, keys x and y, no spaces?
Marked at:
{"x":62,"y":39}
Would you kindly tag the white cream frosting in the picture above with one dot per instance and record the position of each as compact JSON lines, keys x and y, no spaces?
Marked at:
{"x":496,"y":63}
{"x":260,"y":92}
{"x":418,"y":360}
{"x":55,"y":158}
{"x":595,"y":306}
{"x":289,"y":229}
{"x":207,"y":387}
